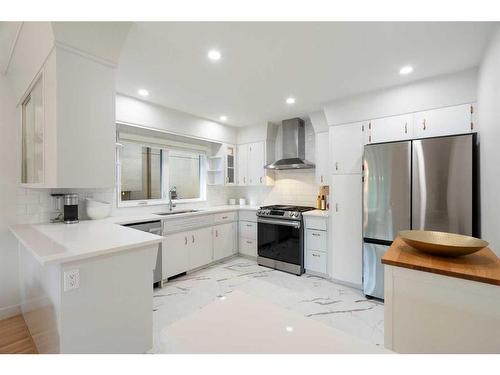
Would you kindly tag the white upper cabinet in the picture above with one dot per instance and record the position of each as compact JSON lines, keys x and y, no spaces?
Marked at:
{"x":33,"y":136}
{"x":256,"y":162}
{"x":346,"y":148}
{"x":251,"y":159}
{"x":389,"y":129}
{"x":242,"y":165}
{"x":322,"y":158}
{"x":73,"y":130}
{"x":444,"y":121}
{"x":230,"y":163}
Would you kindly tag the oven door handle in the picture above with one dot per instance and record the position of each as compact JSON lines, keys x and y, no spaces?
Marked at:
{"x":295,"y":224}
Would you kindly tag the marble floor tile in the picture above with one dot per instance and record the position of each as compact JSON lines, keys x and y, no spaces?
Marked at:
{"x":316,"y":298}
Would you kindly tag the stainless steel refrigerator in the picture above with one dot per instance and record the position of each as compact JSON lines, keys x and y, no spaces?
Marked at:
{"x":421,"y":184}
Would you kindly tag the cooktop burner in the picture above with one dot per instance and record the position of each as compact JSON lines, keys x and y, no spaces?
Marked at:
{"x":281,"y":207}
{"x":283,"y":211}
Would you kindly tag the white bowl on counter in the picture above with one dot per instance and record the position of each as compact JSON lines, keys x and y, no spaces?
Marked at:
{"x":97,"y":209}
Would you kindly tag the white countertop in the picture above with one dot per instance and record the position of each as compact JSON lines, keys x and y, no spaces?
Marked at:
{"x":317,"y":213}
{"x":261,"y":327}
{"x":59,"y":243}
{"x":199,"y":211}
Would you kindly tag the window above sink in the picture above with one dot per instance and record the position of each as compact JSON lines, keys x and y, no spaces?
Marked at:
{"x":148,"y":168}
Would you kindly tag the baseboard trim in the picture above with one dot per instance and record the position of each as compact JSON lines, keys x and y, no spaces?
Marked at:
{"x":9,"y":311}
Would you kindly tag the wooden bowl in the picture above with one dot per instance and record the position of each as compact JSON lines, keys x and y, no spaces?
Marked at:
{"x":442,"y":243}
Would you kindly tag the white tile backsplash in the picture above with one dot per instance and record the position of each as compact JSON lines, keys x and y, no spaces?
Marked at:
{"x":291,"y":187}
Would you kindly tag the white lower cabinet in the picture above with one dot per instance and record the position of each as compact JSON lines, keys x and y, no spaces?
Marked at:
{"x":316,"y":245}
{"x":175,"y":254}
{"x":316,"y":261}
{"x":248,"y":247}
{"x":224,"y":239}
{"x":200,"y":251}
{"x":185,"y":251}
{"x":346,"y":229}
{"x":248,"y":238}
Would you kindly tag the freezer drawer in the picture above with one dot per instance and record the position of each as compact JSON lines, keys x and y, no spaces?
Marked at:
{"x":386,"y":190}
{"x":442,"y":189}
{"x":373,"y":270}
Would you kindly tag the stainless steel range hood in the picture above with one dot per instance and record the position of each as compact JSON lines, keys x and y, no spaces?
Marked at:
{"x":293,"y":147}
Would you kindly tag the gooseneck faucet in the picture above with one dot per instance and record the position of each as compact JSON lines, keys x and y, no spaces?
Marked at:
{"x":171,"y":204}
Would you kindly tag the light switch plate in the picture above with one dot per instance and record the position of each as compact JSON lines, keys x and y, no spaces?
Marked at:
{"x":71,"y":279}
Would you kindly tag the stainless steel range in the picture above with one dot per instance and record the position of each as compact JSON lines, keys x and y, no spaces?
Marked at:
{"x":280,"y":237}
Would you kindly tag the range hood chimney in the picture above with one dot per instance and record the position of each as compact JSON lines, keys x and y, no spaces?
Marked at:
{"x":293,"y":147}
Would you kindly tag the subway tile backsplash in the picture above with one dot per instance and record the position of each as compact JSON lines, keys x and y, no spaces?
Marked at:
{"x":291,"y":187}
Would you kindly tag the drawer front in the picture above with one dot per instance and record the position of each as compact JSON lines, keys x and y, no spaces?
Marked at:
{"x":248,"y":215}
{"x":319,"y":223}
{"x":315,"y":240}
{"x":247,"y":229}
{"x":248,"y":247}
{"x":316,"y":261}
{"x":181,"y":225}
{"x":224,"y":217}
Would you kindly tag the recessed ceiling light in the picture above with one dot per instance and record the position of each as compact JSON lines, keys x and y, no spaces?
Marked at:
{"x":289,"y":328}
{"x":223,"y":118}
{"x":143,"y":92}
{"x":406,"y":70}
{"x":214,"y":55}
{"x":290,"y":100}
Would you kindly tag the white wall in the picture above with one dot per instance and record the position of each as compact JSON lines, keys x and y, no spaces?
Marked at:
{"x":441,"y":91}
{"x":9,"y":167}
{"x":138,"y":112}
{"x":489,"y":125}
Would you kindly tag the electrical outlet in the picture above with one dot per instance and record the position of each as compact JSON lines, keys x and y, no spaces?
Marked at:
{"x":71,"y":279}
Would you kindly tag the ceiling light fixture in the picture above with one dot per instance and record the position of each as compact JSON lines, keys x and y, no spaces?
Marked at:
{"x":290,"y":100}
{"x":406,"y":70}
{"x":223,"y":118}
{"x":143,"y":92}
{"x":214,"y":55}
{"x":289,"y":328}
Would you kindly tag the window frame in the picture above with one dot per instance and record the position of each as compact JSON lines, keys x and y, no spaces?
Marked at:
{"x":164,"y":177}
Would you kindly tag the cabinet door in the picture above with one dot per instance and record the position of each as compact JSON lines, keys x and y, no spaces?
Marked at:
{"x":248,"y":247}
{"x":443,"y":121}
{"x":315,"y":261}
{"x":224,"y":240}
{"x":242,"y":169}
{"x":175,"y":254}
{"x":230,"y":165}
{"x":256,"y":161}
{"x":33,"y":136}
{"x":346,"y":228}
{"x":394,"y":128}
{"x":200,"y":247}
{"x":346,"y":148}
{"x":322,"y":158}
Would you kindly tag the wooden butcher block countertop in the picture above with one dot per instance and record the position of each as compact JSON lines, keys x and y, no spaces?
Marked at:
{"x":482,"y":266}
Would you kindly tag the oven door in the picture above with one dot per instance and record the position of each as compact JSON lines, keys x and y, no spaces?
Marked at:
{"x":280,"y":240}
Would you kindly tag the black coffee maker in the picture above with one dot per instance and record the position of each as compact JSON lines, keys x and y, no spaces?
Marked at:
{"x":70,"y":208}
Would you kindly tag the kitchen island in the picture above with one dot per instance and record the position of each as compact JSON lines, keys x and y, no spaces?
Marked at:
{"x":87,"y":287}
{"x":441,"y":305}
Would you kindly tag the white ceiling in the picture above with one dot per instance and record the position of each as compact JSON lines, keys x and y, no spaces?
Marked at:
{"x":264,"y":63}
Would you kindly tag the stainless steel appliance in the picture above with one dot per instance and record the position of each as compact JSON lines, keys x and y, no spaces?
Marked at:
{"x":71,"y":208}
{"x":280,"y":237}
{"x":293,"y":147}
{"x":155,"y":228}
{"x":427,"y":184}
